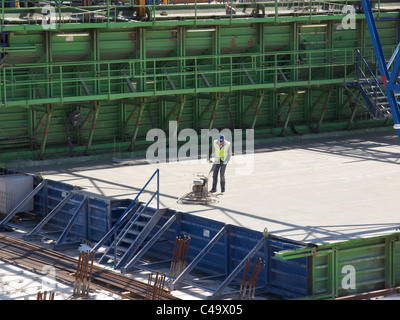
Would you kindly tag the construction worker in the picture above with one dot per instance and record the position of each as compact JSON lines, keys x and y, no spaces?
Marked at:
{"x":222,"y":155}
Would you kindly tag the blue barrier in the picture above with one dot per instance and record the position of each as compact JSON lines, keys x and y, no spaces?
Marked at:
{"x":217,"y":251}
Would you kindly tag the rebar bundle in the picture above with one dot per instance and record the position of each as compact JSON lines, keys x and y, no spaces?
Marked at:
{"x":179,"y":257}
{"x":155,"y":291}
{"x":83,"y":274}
{"x":43,"y":295}
{"x":248,"y":284}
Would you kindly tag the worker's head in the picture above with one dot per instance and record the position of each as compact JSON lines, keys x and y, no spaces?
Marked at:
{"x":221,"y":140}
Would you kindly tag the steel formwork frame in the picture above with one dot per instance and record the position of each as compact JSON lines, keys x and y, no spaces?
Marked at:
{"x":373,"y":262}
{"x":241,"y":67}
{"x":390,"y":78}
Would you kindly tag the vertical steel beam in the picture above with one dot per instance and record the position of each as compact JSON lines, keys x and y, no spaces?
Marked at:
{"x":389,"y":262}
{"x":130,"y":118}
{"x":332,"y":272}
{"x":96,"y":57}
{"x":261,"y":48}
{"x":294,"y":72}
{"x":323,"y":111}
{"x":96,"y":109}
{"x":141,"y":106}
{"x":354,"y":110}
{"x":49,"y":60}
{"x":228,"y":106}
{"x":260,"y":99}
{"x":214,"y":111}
{"x":181,"y":50}
{"x":141,"y":54}
{"x":217,"y":55}
{"x":207,"y":109}
{"x":282,"y":133}
{"x":311,"y":109}
{"x":182,"y":100}
{"x":282,"y":104}
{"x":37,"y":127}
{"x":49,"y":113}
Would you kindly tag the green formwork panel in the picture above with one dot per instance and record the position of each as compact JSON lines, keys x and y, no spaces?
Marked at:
{"x":396,"y":262}
{"x":320,"y":276}
{"x":352,"y":267}
{"x":271,"y":73}
{"x":369,"y":265}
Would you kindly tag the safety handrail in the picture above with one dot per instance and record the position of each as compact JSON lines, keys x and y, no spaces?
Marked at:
{"x":127,"y":210}
{"x":17,"y":85}
{"x":368,"y":67}
{"x":109,"y":7}
{"x":372,"y":81}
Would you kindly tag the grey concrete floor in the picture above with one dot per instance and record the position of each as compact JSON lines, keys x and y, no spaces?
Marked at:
{"x":313,"y":190}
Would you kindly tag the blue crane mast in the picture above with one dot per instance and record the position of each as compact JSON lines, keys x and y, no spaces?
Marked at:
{"x":390,"y":78}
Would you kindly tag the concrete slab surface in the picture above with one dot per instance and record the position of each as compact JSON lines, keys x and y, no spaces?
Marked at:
{"x":317,"y":190}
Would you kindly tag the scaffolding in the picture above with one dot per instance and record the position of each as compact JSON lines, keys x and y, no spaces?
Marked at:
{"x":263,"y":65}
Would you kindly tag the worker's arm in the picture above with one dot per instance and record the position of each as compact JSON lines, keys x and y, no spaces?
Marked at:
{"x":229,"y":151}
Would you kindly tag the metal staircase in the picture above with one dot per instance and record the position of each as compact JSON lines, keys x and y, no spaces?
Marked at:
{"x":131,"y":231}
{"x":370,"y":88}
{"x":389,"y":71}
{"x":131,"y":236}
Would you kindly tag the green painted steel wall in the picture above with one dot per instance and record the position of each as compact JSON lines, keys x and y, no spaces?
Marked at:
{"x":296,"y":65}
{"x":374,"y":262}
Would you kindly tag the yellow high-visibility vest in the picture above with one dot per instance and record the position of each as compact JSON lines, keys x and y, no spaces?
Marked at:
{"x":221,"y":153}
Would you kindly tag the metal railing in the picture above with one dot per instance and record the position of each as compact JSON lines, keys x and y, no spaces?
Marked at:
{"x":371,"y":89}
{"x":127,"y":213}
{"x":60,"y":13}
{"x":26,"y":84}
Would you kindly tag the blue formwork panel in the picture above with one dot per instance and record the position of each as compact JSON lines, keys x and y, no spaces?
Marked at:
{"x":99,"y":218}
{"x":287,"y":278}
{"x":162,"y":250}
{"x":241,"y":242}
{"x":201,"y":231}
{"x":96,"y":217}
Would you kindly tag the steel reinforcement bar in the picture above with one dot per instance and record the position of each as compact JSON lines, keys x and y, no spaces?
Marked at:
{"x":33,"y":257}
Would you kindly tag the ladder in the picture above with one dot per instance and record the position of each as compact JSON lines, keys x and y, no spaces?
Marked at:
{"x":376,"y":102}
{"x":131,"y":229}
{"x":371,"y":90}
{"x":131,"y":235}
{"x":390,"y":78}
